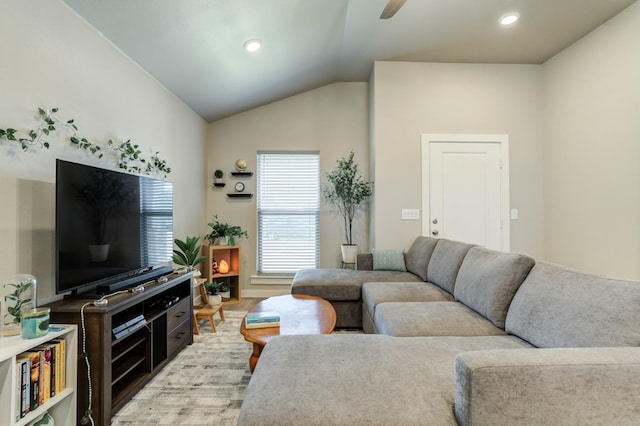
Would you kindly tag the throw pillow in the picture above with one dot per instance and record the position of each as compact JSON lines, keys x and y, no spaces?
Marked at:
{"x":388,"y":260}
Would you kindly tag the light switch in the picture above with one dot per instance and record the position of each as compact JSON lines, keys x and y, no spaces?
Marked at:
{"x":410,"y":214}
{"x":514,"y":214}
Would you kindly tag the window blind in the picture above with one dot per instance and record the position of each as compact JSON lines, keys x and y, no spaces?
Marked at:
{"x":156,"y":216}
{"x":288,"y":204}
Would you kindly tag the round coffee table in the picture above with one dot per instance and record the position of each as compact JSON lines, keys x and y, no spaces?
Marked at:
{"x":299,"y":314}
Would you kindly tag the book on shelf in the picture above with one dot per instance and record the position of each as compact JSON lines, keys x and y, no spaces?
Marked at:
{"x":23,"y":364}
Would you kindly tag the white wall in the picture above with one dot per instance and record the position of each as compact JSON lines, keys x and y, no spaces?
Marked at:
{"x":592,"y":150}
{"x":332,"y":119}
{"x":415,"y":98}
{"x":52,"y":58}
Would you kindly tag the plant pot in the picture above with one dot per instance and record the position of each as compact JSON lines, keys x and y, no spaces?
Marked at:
{"x":214,"y":299}
{"x":223,"y":241}
{"x":349,"y":253}
{"x":225,"y":294}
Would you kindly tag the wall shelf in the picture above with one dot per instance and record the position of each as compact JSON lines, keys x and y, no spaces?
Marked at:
{"x":242,"y":174}
{"x":219,"y":184}
{"x":239,"y":195}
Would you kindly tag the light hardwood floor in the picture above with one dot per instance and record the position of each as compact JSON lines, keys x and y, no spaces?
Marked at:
{"x":245,"y":304}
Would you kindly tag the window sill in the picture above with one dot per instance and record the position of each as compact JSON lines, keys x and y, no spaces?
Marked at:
{"x":271,"y":279}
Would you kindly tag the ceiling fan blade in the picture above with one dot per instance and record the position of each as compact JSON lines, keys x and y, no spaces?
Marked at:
{"x":391,"y":8}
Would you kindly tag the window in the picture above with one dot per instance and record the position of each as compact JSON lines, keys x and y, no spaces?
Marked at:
{"x":156,"y":213}
{"x":288,"y":211}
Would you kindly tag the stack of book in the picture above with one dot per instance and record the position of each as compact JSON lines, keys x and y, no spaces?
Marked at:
{"x":262,"y":320}
{"x":40,"y":376}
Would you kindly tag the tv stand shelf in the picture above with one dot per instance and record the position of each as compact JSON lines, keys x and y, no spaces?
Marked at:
{"x":121,"y":367}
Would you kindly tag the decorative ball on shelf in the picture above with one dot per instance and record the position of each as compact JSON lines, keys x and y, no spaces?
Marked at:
{"x":241,"y":165}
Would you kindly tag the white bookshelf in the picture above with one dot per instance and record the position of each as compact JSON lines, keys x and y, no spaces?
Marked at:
{"x":62,"y":407}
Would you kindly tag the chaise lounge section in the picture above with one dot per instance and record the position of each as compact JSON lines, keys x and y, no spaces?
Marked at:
{"x":513,"y":344}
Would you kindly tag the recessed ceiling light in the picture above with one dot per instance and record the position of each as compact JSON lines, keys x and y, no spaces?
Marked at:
{"x":252,"y":45}
{"x":509,"y":18}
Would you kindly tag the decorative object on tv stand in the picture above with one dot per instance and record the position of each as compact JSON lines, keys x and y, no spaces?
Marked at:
{"x":128,"y":155}
{"x":188,"y":253}
{"x":224,"y":234}
{"x":218,"y":180}
{"x":18,"y":294}
{"x":347,"y":191}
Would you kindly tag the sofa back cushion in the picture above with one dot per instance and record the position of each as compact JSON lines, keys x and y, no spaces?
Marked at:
{"x":445,"y":263}
{"x":418,"y":256}
{"x":488,"y":280}
{"x":560,"y":307}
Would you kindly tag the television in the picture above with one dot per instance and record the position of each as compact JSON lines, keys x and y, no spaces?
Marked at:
{"x":113,"y":230}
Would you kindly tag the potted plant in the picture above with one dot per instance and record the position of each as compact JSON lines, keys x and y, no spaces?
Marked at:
{"x":188,"y":252}
{"x":224,"y":234}
{"x":220,"y":288}
{"x":217,"y":178}
{"x":347,"y":190}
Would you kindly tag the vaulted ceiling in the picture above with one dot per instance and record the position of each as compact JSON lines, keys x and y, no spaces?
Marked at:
{"x":195,"y":47}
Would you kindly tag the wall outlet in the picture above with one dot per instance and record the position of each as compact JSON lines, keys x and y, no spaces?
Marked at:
{"x":514,"y":214}
{"x":410,"y":214}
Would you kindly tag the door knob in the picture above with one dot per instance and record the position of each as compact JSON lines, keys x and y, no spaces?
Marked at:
{"x":434,"y":232}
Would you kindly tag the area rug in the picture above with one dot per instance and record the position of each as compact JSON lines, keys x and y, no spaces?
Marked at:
{"x":203,"y":385}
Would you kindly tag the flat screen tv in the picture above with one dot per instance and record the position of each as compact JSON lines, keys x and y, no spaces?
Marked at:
{"x":111,"y":228}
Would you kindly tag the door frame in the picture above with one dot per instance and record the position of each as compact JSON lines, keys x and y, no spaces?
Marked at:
{"x":503,"y":140}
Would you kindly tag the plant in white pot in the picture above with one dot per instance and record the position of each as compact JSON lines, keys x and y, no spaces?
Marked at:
{"x":347,"y":191}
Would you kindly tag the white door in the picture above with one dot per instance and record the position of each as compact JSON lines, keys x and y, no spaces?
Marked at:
{"x":465,"y":189}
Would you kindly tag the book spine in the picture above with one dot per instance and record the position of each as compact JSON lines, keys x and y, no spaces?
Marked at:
{"x":18,"y":405}
{"x":53,"y":371}
{"x":262,"y":325}
{"x":47,"y":373}
{"x":41,"y":377}
{"x":61,"y":356}
{"x":34,"y":379}
{"x":258,"y":321}
{"x":26,"y":388}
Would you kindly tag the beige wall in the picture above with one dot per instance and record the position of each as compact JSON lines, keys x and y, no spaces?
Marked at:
{"x":592,"y":150}
{"x":415,"y":98}
{"x":332,"y":119}
{"x":52,"y":58}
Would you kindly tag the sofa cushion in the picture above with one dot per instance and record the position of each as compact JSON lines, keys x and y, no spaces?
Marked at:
{"x":388,"y":260}
{"x":488,"y":280}
{"x":403,"y":319}
{"x":418,"y":256}
{"x":341,"y":284}
{"x":358,"y":380}
{"x":560,"y":307}
{"x":445,"y":263}
{"x":376,"y":293}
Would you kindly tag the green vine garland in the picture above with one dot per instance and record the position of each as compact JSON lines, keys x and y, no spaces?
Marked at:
{"x":129,"y":156}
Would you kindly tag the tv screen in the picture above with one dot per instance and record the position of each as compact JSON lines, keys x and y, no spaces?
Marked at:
{"x":109,"y":225}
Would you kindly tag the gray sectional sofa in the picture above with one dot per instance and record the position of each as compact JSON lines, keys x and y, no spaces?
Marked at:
{"x":465,"y":336}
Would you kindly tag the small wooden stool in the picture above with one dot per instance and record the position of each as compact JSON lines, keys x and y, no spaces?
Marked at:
{"x":206,"y":311}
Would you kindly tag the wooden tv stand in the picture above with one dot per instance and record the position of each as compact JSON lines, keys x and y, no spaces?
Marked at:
{"x":121,"y":366}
